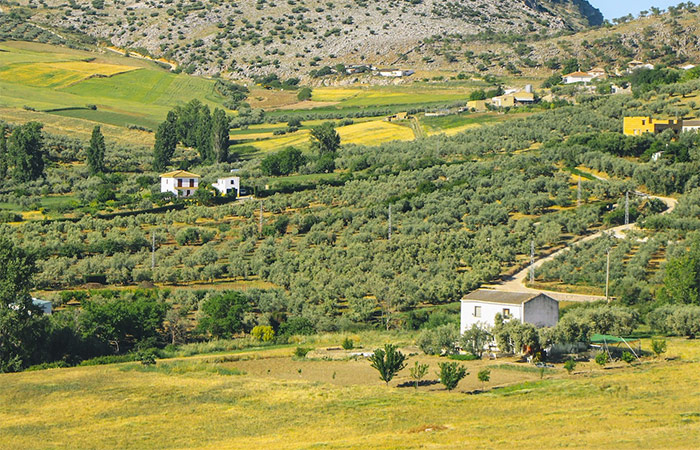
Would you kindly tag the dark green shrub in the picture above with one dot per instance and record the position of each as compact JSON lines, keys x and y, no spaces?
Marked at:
{"x":451,"y":374}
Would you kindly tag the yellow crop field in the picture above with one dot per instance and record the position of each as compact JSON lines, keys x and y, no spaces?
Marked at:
{"x":324,"y":94}
{"x":59,"y":74}
{"x":266,"y":399}
{"x":373,"y":133}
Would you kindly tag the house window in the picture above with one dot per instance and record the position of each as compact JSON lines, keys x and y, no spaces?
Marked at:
{"x":506,"y":312}
{"x":179,"y":182}
{"x":477,"y":311}
{"x":191,"y":182}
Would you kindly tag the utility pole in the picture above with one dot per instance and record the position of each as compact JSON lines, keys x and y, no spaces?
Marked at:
{"x":153,"y":249}
{"x":260,"y":222}
{"x":607,"y":278}
{"x":627,"y":208}
{"x":390,"y":222}
{"x":578,"y":195}
{"x":532,"y":261}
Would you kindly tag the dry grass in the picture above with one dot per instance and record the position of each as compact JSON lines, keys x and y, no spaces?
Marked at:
{"x":201,"y":403}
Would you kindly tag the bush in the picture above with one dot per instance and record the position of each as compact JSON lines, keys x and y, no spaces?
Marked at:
{"x":484,"y":376}
{"x":570,"y":365}
{"x":475,"y":339}
{"x":451,"y":374}
{"x":628,"y":357}
{"x":441,"y":340}
{"x":348,"y":344}
{"x":601,"y":358}
{"x":264,"y":333}
{"x":658,"y":346}
{"x":300,"y":352}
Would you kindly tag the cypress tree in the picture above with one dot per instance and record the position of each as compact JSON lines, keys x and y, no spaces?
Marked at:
{"x":220,"y":135}
{"x":3,"y":150}
{"x":166,"y":142}
{"x":96,"y":152}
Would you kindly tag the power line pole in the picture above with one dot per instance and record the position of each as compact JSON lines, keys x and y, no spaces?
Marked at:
{"x":260,"y":221}
{"x":607,"y":278}
{"x":578,"y":195}
{"x":532,"y":261}
{"x":627,"y":208}
{"x":389,"y":222}
{"x":153,"y":249}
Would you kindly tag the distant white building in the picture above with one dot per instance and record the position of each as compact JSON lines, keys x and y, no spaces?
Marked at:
{"x":578,"y":77}
{"x":179,"y":182}
{"x":481,"y":306}
{"x":688,"y":67}
{"x":636,"y":65}
{"x":395,"y":73}
{"x":228,"y":185}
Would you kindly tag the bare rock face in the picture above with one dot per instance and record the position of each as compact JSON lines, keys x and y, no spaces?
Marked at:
{"x":245,"y":38}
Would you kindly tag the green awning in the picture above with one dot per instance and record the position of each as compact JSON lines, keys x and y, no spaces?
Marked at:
{"x":608,"y":339}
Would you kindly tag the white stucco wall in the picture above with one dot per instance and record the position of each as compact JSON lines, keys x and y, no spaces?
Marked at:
{"x":488,"y":313}
{"x":170,"y":185}
{"x":222,"y":184}
{"x":542,"y":311}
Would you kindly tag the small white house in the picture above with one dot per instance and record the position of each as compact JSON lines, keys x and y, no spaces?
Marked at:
{"x":481,"y":306}
{"x":179,"y":182}
{"x":578,"y":77}
{"x":228,"y":185}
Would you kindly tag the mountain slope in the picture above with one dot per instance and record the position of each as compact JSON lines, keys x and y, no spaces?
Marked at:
{"x":293,"y":36}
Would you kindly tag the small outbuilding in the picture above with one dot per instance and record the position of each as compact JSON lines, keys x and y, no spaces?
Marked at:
{"x":481,"y":306}
{"x":228,"y":185}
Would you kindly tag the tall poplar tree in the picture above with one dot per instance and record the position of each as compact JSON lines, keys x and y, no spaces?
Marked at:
{"x":220,"y":135}
{"x":166,"y":142}
{"x":96,"y":152}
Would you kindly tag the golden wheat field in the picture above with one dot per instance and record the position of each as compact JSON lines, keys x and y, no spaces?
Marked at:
{"x":59,"y":74}
{"x":267,"y":399}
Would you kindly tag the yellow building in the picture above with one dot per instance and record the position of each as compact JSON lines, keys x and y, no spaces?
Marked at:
{"x":636,"y":126}
{"x":477,"y":105}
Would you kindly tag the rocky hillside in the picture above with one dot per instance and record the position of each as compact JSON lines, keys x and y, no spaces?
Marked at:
{"x":292,"y":37}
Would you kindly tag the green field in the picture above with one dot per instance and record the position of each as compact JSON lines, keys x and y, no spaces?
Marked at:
{"x":125,"y":91}
{"x":267,"y":399}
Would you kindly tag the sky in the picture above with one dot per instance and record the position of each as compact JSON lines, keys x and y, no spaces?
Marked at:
{"x":612,"y":9}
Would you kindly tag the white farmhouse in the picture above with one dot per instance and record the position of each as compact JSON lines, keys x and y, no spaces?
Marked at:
{"x":481,"y":306}
{"x":578,"y":77}
{"x":228,"y":185}
{"x":179,"y":182}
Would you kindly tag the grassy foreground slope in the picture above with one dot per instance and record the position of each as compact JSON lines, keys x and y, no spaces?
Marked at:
{"x":197,"y":403}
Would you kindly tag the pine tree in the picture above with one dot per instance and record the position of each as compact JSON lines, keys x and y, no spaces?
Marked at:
{"x":220,"y":135}
{"x":166,"y":142}
{"x":96,"y":152}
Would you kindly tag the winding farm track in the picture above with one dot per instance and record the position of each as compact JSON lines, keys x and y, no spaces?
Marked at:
{"x":516,"y":283}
